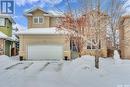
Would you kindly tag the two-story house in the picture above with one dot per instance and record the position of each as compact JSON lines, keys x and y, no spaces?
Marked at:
{"x":42,"y":41}
{"x":6,"y":41}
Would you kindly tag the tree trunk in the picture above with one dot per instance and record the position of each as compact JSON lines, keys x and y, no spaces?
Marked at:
{"x":97,"y":59}
{"x":97,"y":38}
{"x":97,"y":63}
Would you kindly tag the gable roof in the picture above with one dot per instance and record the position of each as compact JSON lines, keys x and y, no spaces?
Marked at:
{"x":36,"y":8}
{"x":8,"y":17}
{"x":28,"y":12}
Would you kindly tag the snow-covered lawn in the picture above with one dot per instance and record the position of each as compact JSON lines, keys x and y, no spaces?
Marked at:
{"x":77,"y":73}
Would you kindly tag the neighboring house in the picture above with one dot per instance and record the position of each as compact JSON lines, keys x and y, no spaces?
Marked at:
{"x":125,"y":36}
{"x":42,"y":40}
{"x":6,"y":40}
{"x":15,"y":48}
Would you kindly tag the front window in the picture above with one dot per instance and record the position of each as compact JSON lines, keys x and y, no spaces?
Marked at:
{"x":37,"y":20}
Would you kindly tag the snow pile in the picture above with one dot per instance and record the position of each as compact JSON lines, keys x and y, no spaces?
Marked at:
{"x":81,"y":72}
{"x":117,"y":57}
{"x":4,"y":58}
{"x":83,"y":63}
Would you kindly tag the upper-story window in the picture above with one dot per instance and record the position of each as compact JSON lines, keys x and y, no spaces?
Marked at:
{"x":38,"y":20}
{"x":2,"y":21}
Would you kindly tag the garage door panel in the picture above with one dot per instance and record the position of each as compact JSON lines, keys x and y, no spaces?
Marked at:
{"x":45,"y":52}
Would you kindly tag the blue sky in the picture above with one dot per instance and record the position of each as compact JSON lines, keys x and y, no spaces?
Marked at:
{"x":48,"y":5}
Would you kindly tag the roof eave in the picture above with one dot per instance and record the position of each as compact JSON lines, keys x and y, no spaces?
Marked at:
{"x":34,"y":9}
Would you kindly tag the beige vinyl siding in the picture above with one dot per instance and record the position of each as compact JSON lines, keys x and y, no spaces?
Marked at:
{"x":38,"y":13}
{"x":53,"y":21}
{"x":25,"y":40}
{"x":48,"y":21}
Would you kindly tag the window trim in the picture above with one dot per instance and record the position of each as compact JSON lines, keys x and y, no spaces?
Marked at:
{"x":38,"y":19}
{"x":34,"y":20}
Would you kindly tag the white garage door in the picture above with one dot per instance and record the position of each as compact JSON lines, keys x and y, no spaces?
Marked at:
{"x":45,"y":52}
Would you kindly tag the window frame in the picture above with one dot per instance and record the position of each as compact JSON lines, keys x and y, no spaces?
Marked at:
{"x":34,"y":20}
{"x":42,"y":19}
{"x":38,"y":19}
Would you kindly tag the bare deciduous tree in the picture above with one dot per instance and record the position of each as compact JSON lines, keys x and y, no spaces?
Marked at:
{"x":115,"y":11}
{"x":89,"y":24}
{"x":97,"y":21}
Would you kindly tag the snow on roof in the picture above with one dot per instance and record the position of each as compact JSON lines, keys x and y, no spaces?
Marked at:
{"x":13,"y":38}
{"x":57,"y":13}
{"x":51,"y":14}
{"x":2,"y":35}
{"x":49,"y":31}
{"x":7,"y":16}
{"x":28,"y":12}
{"x":126,"y":14}
{"x":34,"y":9}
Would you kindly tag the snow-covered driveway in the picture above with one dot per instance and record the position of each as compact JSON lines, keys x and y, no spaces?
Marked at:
{"x":31,"y":74}
{"x":76,"y":73}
